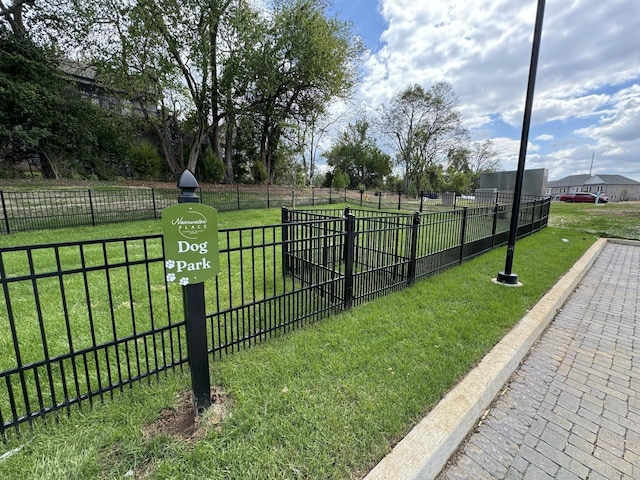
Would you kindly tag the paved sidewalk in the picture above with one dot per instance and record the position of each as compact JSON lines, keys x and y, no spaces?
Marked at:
{"x":572,"y":411}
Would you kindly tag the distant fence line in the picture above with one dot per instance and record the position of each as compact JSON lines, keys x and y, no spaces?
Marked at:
{"x":83,"y":320}
{"x":34,"y":210}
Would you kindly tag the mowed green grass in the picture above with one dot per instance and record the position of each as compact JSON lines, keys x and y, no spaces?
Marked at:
{"x":326,"y":401}
{"x":613,"y":220}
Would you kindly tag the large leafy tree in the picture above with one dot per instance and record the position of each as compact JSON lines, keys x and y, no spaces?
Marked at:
{"x":43,"y":115}
{"x":218,"y":63}
{"x":465,"y":165}
{"x":423,"y":126}
{"x":356,"y":154}
{"x":170,"y":54}
{"x":133,"y":63}
{"x":234,"y":136}
{"x":161,"y":51}
{"x":303,"y":61}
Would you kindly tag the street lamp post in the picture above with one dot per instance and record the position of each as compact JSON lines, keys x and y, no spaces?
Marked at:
{"x":508,"y":277}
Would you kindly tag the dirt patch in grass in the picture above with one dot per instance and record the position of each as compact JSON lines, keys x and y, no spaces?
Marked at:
{"x":181,"y":423}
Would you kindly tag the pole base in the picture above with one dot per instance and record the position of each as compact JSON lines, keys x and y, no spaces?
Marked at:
{"x":508,"y":278}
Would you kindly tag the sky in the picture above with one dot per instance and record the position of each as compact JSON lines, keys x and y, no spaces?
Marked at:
{"x":586,"y":107}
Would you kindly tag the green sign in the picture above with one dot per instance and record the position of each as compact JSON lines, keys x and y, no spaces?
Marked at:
{"x":190,"y":237}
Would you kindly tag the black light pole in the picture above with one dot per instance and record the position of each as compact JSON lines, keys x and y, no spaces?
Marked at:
{"x":507,"y":276}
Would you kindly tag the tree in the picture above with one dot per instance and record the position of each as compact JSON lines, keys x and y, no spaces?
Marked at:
{"x":482,"y":159}
{"x":356,"y":154}
{"x":135,"y":66}
{"x":303,"y":61}
{"x":13,"y":14}
{"x":44,"y":22}
{"x":165,"y":53}
{"x":244,"y":30}
{"x":43,"y":115}
{"x":466,"y":164}
{"x":162,"y":41}
{"x":423,"y":126}
{"x":307,"y":137}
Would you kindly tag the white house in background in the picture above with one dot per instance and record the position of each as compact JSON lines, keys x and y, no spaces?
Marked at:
{"x":616,"y":187}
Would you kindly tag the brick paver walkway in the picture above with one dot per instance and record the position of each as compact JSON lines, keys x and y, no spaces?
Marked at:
{"x":572,"y":410}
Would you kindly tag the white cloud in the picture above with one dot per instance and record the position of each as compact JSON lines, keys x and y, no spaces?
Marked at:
{"x":544,"y":137}
{"x":587,"y":94}
{"x":622,"y":126}
{"x":616,"y":137}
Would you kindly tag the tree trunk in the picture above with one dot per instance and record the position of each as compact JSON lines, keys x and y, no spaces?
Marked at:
{"x":48,"y":167}
{"x":196,"y":146}
{"x":13,"y":15}
{"x":164,"y":134}
{"x":230,"y":134}
{"x":264,"y":136}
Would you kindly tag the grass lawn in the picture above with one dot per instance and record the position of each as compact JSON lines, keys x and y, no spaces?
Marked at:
{"x":324,"y":402}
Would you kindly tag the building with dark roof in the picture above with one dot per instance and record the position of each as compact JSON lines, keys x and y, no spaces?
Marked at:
{"x":616,"y":187}
{"x":85,"y":78}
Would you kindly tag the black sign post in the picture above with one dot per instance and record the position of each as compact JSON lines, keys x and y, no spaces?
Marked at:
{"x":195,"y":317}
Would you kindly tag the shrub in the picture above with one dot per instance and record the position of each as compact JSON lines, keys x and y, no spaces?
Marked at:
{"x":259,"y":172}
{"x":144,"y":161}
{"x":210,"y":167}
{"x":340,"y":180}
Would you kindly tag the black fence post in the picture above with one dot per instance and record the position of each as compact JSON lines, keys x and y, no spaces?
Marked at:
{"x":93,"y":217}
{"x":494,"y":228}
{"x":195,"y":317}
{"x":345,"y":194}
{"x":346,"y":213}
{"x":411,"y":274}
{"x":463,"y":233}
{"x":238,"y":196}
{"x":545,"y":212}
{"x":379,"y":200}
{"x":361,"y":194}
{"x":421,"y":200}
{"x":153,"y":200}
{"x":4,"y":212}
{"x":349,"y":250}
{"x":399,"y":199}
{"x":284,"y":220}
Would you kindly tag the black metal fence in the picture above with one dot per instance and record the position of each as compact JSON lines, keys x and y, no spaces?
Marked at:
{"x":34,"y":210}
{"x":83,"y":320}
{"x":353,"y":256}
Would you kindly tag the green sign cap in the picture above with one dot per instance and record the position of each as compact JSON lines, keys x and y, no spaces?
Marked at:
{"x":190,"y":237}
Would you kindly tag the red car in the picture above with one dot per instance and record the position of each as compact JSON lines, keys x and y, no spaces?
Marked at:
{"x":584,"y":197}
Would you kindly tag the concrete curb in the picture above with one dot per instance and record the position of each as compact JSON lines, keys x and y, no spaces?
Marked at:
{"x":425,"y":450}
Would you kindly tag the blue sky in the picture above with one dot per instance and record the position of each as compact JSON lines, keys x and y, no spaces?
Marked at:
{"x":587,"y":95}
